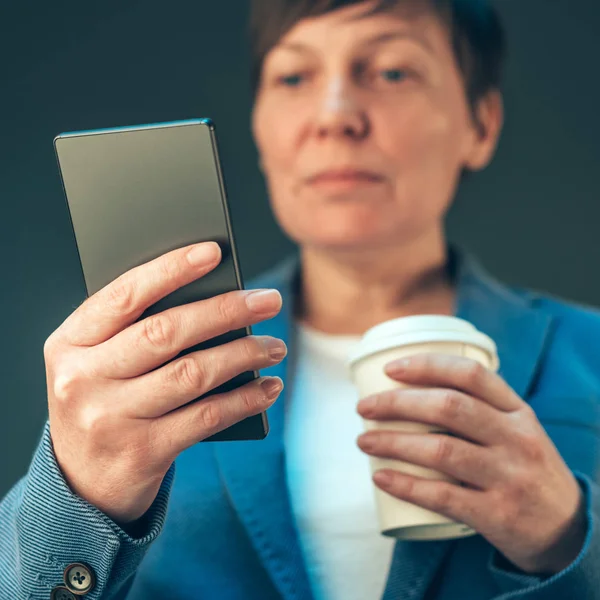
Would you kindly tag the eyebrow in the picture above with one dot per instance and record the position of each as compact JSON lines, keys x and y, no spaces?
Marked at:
{"x":380,"y":38}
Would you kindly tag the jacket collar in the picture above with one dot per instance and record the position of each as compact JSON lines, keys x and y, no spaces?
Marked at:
{"x":254,"y":472}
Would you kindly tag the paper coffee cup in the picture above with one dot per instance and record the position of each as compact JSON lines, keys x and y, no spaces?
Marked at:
{"x":380,"y":345}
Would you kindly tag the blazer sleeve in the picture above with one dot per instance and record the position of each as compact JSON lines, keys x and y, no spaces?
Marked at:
{"x":581,"y":579}
{"x":44,"y":527}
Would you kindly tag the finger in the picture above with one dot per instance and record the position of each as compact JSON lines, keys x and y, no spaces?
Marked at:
{"x":197,"y":373}
{"x":158,"y":338}
{"x":123,"y":300}
{"x":191,"y":424}
{"x":457,"y":372}
{"x":461,"y":504}
{"x":447,"y":409}
{"x":459,"y":459}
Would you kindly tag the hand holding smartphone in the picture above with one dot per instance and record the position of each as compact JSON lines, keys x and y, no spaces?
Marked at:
{"x":161,"y":354}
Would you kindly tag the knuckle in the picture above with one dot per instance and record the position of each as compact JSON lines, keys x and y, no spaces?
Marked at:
{"x":93,"y":418}
{"x":444,"y":450}
{"x":474,"y":373}
{"x":451,"y":406}
{"x":425,"y":362}
{"x":159,"y":331}
{"x":251,"y":399}
{"x":49,"y":346}
{"x":66,"y":385}
{"x":253,"y":348}
{"x":409,"y":489}
{"x":389,"y":399}
{"x":531,"y":447}
{"x":479,"y":462}
{"x":526,"y":412}
{"x":443,"y":499}
{"x":211,"y":417}
{"x":188,"y":373}
{"x":120,"y":297}
{"x":226,"y":309}
{"x":172,"y":268}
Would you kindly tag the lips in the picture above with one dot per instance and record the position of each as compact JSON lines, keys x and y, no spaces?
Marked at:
{"x":344,"y":175}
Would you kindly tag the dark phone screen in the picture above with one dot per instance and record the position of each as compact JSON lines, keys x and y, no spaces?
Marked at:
{"x":136,"y":193}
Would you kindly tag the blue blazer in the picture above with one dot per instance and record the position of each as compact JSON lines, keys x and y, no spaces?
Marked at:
{"x":221,"y":526}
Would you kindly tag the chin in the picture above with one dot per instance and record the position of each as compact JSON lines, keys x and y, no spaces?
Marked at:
{"x":348,"y":226}
{"x":343,"y":239}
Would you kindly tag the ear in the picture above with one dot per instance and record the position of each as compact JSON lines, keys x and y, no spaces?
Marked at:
{"x":487,"y":126}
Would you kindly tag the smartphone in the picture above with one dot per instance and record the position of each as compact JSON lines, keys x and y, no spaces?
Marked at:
{"x":134,"y":193}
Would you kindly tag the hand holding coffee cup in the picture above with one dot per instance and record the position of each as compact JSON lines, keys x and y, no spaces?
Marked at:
{"x":398,"y":339}
{"x":493,"y":469}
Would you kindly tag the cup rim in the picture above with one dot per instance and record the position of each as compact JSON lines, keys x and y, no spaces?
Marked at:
{"x":474,"y":338}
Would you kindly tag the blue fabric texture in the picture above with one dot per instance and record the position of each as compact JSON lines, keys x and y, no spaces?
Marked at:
{"x":45,"y":526}
{"x":221,"y":525}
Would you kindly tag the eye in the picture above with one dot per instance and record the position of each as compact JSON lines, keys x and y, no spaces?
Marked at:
{"x":394,"y":75}
{"x":292,"y":80}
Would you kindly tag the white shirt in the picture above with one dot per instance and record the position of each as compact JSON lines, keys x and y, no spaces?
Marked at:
{"x":329,"y":476}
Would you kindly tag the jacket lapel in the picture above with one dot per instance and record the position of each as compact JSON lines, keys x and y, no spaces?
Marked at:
{"x":254,"y":472}
{"x":510,"y":318}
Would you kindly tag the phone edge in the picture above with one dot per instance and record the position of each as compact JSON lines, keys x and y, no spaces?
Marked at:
{"x":230,"y":233}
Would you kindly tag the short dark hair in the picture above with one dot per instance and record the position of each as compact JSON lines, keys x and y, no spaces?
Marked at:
{"x":477,"y":34}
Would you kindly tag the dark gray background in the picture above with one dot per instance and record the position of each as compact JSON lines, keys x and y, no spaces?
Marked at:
{"x":532,"y":217}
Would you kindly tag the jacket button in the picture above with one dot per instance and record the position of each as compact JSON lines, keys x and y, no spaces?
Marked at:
{"x":62,"y":593}
{"x":79,"y":578}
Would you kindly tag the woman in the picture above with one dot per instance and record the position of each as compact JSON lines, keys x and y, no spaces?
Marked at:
{"x":366,"y":117}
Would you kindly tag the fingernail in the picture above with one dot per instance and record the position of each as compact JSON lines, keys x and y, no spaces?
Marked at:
{"x":366,"y":405}
{"x":263,"y":301}
{"x":276,"y":349}
{"x":272,"y":386}
{"x":398,"y":366}
{"x":366,"y":442}
{"x":382,"y":477}
{"x":204,"y":254}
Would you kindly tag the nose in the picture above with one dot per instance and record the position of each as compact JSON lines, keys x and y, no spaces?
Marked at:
{"x":340,"y":113}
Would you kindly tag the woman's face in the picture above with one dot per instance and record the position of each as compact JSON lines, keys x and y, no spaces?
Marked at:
{"x":363,"y":128}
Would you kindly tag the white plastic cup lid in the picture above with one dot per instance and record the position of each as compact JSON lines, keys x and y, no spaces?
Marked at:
{"x":421,"y":329}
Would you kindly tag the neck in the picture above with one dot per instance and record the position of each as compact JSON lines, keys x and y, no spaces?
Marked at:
{"x":349,"y":291}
